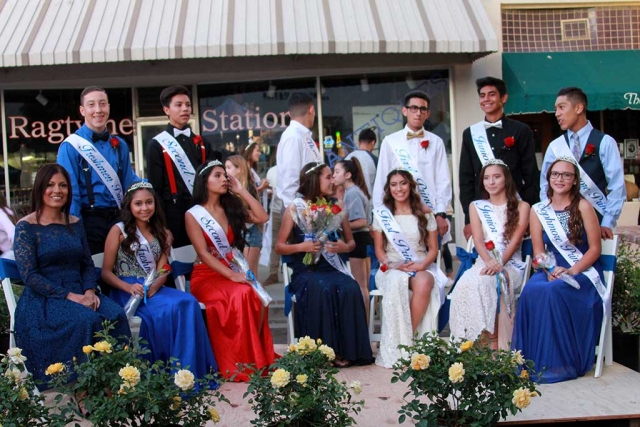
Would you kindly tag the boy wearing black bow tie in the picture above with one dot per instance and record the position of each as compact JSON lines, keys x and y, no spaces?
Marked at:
{"x":99,"y":167}
{"x":496,"y":137}
{"x":173,"y":156}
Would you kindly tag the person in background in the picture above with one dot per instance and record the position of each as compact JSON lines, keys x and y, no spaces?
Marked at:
{"x":172,"y":159}
{"x":237,"y":167}
{"x":252,"y":155}
{"x":137,"y":246}
{"x":601,"y":172}
{"x":496,"y":137}
{"x":348,"y":174}
{"x":329,"y":303}
{"x":61,"y":308}
{"x":364,"y":154}
{"x":7,"y":229}
{"x":276,"y":221}
{"x":237,"y":322}
{"x":99,"y":168}
{"x":297,"y":147}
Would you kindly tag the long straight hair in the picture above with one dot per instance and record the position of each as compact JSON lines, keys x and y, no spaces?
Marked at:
{"x":245,"y":177}
{"x":40,"y":185}
{"x":157,"y":222}
{"x":576,"y":226}
{"x":513,"y":215}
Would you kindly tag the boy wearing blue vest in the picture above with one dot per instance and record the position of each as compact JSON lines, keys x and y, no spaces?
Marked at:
{"x":601,"y":173}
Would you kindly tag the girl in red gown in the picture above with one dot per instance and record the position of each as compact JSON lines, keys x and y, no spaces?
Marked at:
{"x":237,"y":322}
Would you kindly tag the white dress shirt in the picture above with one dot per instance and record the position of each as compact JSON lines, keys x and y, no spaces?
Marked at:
{"x":610,"y":158}
{"x":431,"y":162}
{"x":293,"y":154}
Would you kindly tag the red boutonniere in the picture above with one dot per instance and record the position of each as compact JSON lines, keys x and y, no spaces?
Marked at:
{"x":197,"y":139}
{"x":114,"y":142}
{"x":590,"y":150}
{"x":424,"y":144}
{"x":490,"y":245}
{"x":509,"y":141}
{"x":384,"y":268}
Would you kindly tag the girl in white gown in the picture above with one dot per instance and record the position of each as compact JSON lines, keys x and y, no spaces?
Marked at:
{"x":503,"y":219}
{"x":404,"y":314}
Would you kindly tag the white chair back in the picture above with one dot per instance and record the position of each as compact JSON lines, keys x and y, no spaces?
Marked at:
{"x":604,"y":351}
{"x":186,"y":254}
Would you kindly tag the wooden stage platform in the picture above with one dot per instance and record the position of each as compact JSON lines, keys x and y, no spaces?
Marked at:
{"x":615,"y":395}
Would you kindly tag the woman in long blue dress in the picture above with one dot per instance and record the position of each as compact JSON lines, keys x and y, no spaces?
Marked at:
{"x":60,"y":309}
{"x":329,"y":303}
{"x":171,"y":320}
{"x":557,"y":326}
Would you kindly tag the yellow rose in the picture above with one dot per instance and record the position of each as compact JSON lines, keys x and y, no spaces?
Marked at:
{"x":301,"y":379}
{"x":318,"y":341}
{"x":356,"y":386}
{"x":23,"y":394}
{"x":15,"y":355}
{"x":420,"y":362}
{"x":215,"y":416}
{"x":456,"y":373}
{"x":184,"y":379}
{"x":177,"y":400}
{"x":130,"y":375}
{"x":292,"y":347}
{"x":327,"y":351}
{"x":524,"y":374}
{"x":517,"y":358}
{"x":87,"y":349}
{"x":13,"y":374}
{"x":280,"y":378}
{"x":521,"y":398}
{"x":102,"y":347}
{"x":466,"y":346}
{"x":306,"y":345}
{"x":54,"y":368}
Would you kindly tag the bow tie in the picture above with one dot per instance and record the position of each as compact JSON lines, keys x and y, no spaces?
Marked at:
{"x":102,"y":136}
{"x":419,"y":134}
{"x":497,"y":124}
{"x":186,"y":132}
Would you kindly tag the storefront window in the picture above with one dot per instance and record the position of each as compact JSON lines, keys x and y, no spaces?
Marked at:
{"x":38,"y":121}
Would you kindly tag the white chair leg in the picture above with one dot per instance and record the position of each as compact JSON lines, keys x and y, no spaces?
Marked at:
{"x":290,"y":329}
{"x":608,"y":345}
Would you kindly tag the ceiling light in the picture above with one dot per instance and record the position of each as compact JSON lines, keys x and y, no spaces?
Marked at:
{"x":364,"y":84}
{"x":42,"y":99}
{"x":271,"y":92}
{"x":410,"y":82}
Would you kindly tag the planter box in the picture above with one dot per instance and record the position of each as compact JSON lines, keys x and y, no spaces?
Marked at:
{"x":626,"y":350}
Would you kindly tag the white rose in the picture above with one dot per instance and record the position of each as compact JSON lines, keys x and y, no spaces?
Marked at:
{"x":184,"y":379}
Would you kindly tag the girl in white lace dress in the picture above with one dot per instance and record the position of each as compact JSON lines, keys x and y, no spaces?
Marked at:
{"x":503,"y":219}
{"x":403,"y":314}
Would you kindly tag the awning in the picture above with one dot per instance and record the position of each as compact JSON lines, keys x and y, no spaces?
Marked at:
{"x":48,"y":32}
{"x":609,"y":78}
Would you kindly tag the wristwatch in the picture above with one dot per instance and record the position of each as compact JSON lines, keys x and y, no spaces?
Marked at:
{"x":442,"y":214}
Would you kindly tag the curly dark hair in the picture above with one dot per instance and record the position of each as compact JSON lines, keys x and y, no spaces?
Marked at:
{"x":576,"y":226}
{"x":232,"y":205}
{"x":513,"y":215}
{"x":157,"y":223}
{"x":414,"y":200}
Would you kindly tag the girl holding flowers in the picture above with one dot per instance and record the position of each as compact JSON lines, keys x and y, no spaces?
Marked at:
{"x":406,"y":243}
{"x":498,"y":223}
{"x":329,"y":303}
{"x":171,"y":320}
{"x":348,"y":174}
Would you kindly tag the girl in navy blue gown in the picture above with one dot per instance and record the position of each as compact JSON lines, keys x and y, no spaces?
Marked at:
{"x":61,"y":308}
{"x":557,"y":325}
{"x":171,"y":320}
{"x":329,"y":303}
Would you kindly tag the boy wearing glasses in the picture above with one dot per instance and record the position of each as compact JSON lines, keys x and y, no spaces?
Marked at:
{"x":496,"y":137}
{"x":601,"y":173}
{"x":423,"y":154}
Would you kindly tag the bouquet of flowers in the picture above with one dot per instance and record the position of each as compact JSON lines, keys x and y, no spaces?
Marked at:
{"x":502,"y":284}
{"x":134,"y":301}
{"x":546,"y":262}
{"x":239,"y":263}
{"x":318,"y":221}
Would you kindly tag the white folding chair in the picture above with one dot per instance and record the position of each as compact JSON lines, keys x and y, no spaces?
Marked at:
{"x":135,"y":321}
{"x":286,"y":278}
{"x":608,"y":257}
{"x":181,"y":260}
{"x":8,"y":271}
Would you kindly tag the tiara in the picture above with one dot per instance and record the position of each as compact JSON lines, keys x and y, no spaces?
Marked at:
{"x":398,"y":169}
{"x":318,"y":165}
{"x":140,"y":184}
{"x":569,"y":159}
{"x":496,"y":162}
{"x":209,"y":165}
{"x":251,"y":142}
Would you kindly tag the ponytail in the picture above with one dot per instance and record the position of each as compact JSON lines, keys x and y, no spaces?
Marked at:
{"x":353,"y":167}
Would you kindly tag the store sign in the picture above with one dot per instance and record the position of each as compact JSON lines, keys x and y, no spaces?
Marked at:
{"x":55,"y":131}
{"x":632,"y":98}
{"x":223,"y":120}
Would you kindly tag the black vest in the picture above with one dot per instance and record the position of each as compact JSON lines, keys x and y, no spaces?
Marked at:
{"x":592,"y":164}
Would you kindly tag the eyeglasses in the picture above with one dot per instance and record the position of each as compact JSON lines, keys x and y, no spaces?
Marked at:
{"x":415,"y":108}
{"x":565,"y":175}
